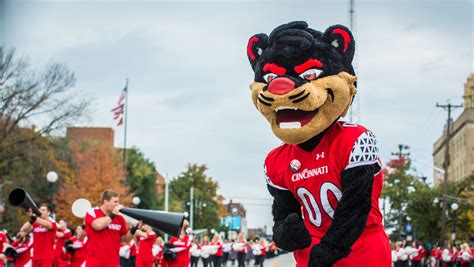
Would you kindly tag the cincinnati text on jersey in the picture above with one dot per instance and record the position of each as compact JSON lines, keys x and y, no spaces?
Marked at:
{"x":305,"y":174}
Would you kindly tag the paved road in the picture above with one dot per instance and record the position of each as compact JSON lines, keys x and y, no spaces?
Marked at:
{"x":285,"y":260}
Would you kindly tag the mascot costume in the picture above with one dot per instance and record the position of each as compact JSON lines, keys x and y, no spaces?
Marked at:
{"x":326,"y":177}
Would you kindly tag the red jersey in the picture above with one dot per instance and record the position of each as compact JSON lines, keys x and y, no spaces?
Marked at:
{"x":316,"y":179}
{"x":185,"y":242}
{"x":103,"y":246}
{"x":420,"y":254}
{"x":133,"y":248}
{"x":219,"y":249}
{"x":3,"y":239}
{"x":24,"y":252}
{"x":58,"y":252}
{"x":145,"y":247}
{"x":79,"y":255}
{"x":43,"y":245}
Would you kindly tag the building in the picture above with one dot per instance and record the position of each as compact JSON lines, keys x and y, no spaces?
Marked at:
{"x":461,"y":145}
{"x":80,"y":134}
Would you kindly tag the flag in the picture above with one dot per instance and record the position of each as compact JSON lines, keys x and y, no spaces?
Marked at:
{"x":119,"y":110}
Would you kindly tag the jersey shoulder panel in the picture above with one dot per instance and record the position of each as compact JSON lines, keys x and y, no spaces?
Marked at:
{"x":355,"y":145}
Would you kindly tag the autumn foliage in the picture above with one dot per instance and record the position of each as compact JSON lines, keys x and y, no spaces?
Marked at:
{"x":97,"y":167}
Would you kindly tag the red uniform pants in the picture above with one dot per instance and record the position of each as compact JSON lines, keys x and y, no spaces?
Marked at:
{"x":372,"y":246}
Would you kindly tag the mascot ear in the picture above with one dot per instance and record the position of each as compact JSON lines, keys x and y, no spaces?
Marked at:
{"x":341,"y":38}
{"x":255,"y":47}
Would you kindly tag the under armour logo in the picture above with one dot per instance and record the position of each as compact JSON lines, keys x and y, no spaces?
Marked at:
{"x":318,"y":156}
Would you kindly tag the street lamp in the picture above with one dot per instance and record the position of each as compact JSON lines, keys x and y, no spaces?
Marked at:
{"x":136,"y":201}
{"x":52,"y":177}
{"x":186,"y":214}
{"x":454,"y":208}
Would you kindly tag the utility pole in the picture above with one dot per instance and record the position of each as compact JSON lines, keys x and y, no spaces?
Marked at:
{"x":191,"y":211}
{"x":447,"y":107}
{"x":166,"y":199}
{"x":354,"y":110}
{"x":400,"y":153}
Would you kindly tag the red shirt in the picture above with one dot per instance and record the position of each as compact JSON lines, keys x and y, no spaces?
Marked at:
{"x":316,"y":183}
{"x":185,"y":242}
{"x":219,"y":250}
{"x":3,"y":239}
{"x":43,"y":245}
{"x":24,"y":252}
{"x":79,"y":255}
{"x":420,"y":254}
{"x":133,"y":248}
{"x":103,"y":246}
{"x":60,"y":242}
{"x":145,"y":247}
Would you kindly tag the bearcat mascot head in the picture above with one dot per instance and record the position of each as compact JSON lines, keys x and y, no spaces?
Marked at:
{"x":304,"y":80}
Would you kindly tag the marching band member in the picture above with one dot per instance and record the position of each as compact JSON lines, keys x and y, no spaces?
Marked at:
{"x":263,"y":255}
{"x":23,"y":247}
{"x":3,"y":245}
{"x":158,"y":251}
{"x":216,"y":258}
{"x":465,"y":255}
{"x":447,"y":257}
{"x":240,"y":246}
{"x":44,"y":231}
{"x":205,"y":251}
{"x":78,"y":243}
{"x":181,"y":247}
{"x":257,"y":252}
{"x":62,"y":234}
{"x":416,"y":254}
{"x":227,"y":247}
{"x":146,"y":239}
{"x":195,"y":251}
{"x":105,"y":228}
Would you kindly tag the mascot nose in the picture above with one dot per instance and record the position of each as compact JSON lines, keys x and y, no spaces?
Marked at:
{"x":281,"y":86}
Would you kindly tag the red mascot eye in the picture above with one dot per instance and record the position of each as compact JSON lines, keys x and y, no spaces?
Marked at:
{"x":311,"y":74}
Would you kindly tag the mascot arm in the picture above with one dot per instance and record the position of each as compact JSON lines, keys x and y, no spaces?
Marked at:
{"x":350,"y":216}
{"x":289,"y":231}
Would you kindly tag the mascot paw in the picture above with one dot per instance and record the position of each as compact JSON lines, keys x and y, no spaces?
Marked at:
{"x":321,"y":256}
{"x":292,"y":234}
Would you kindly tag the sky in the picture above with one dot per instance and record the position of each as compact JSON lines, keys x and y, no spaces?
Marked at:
{"x":189,"y":100}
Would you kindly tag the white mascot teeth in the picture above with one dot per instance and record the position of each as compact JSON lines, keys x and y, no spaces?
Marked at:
{"x":290,"y":125}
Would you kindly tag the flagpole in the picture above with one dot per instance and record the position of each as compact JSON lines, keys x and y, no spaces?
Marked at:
{"x":125,"y":131}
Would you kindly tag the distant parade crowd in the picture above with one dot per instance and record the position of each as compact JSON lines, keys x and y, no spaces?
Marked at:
{"x":416,"y":255}
{"x":105,"y":240}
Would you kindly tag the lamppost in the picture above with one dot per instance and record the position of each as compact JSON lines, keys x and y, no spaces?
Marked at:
{"x":52,"y":177}
{"x":454,"y":208}
{"x":136,"y":201}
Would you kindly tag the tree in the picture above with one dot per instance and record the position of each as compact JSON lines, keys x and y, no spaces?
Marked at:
{"x":398,"y":185}
{"x":33,"y":160}
{"x":141,"y":178}
{"x":206,"y":212}
{"x":412,"y":199}
{"x":41,"y":102}
{"x":97,"y":167}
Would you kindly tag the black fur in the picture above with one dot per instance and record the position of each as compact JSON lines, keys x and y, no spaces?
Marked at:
{"x":289,"y":231}
{"x":292,"y":44}
{"x":350,"y":217}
